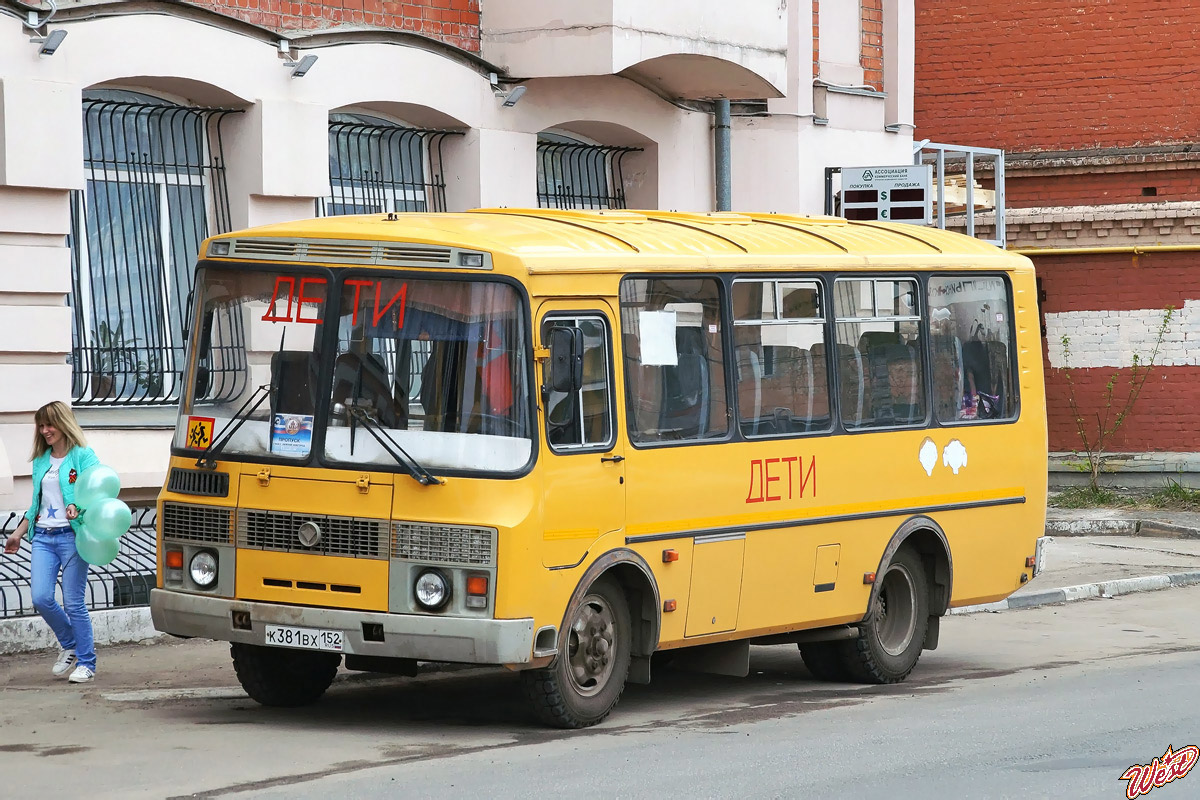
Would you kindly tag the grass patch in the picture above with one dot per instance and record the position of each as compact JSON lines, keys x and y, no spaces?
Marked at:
{"x":1087,"y":497}
{"x":1176,"y":497}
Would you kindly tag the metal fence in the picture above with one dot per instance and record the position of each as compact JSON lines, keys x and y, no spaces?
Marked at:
{"x":578,"y":175}
{"x":155,"y":189}
{"x":124,"y":583}
{"x":376,"y":168}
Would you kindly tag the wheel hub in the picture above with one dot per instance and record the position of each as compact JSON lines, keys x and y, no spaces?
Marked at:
{"x":590,"y":646}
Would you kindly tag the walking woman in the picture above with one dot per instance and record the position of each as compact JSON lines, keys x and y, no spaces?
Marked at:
{"x":60,"y":456}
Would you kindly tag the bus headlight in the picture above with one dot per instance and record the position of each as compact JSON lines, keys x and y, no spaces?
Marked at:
{"x":203,"y":569}
{"x":432,"y":590}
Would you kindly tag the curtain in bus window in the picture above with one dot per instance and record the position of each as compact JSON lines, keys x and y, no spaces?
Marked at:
{"x":674,"y":364}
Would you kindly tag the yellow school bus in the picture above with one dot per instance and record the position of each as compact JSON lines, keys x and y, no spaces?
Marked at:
{"x":565,"y":441}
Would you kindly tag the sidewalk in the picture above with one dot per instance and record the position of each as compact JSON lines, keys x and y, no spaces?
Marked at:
{"x":1101,"y":552}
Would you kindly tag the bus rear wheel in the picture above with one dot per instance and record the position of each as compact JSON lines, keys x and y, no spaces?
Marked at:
{"x":274,"y":676}
{"x":587,"y":677}
{"x":890,"y":639}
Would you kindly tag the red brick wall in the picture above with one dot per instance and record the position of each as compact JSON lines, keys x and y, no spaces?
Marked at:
{"x":1028,"y":75}
{"x":1166,"y":417}
{"x":871,"y":54}
{"x":816,"y":38}
{"x":1100,"y":188}
{"x":455,"y":22}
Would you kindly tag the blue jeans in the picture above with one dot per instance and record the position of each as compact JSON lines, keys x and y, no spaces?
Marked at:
{"x":54,"y":548}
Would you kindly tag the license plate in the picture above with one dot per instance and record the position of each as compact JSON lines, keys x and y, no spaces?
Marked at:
{"x":304,"y":638}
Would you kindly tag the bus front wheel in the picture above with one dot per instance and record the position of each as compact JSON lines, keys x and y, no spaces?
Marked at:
{"x":274,"y":676}
{"x":587,"y":677}
{"x":891,"y":638}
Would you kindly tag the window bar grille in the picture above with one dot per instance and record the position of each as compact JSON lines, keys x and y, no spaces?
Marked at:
{"x":156,"y":187}
{"x":578,"y":175}
{"x":124,"y":582}
{"x":378,"y":168}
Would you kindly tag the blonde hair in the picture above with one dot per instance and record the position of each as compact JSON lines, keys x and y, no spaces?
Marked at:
{"x":60,"y":416}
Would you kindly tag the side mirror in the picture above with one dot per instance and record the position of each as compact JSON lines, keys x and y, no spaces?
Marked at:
{"x":565,"y":370}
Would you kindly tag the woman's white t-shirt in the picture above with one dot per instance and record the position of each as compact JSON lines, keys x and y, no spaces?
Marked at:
{"x":53,"y":513}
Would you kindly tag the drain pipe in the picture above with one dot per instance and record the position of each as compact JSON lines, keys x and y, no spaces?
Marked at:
{"x":721,"y":146}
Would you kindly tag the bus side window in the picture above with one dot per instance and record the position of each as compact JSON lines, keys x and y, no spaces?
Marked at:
{"x":970,"y":319}
{"x":880,"y":363}
{"x":674,"y":364}
{"x":779,"y":331}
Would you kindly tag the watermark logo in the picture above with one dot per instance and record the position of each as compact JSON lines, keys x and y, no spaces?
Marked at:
{"x":1161,"y":771}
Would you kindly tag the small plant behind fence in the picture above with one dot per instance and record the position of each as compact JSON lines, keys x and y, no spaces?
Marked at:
{"x":124,"y":583}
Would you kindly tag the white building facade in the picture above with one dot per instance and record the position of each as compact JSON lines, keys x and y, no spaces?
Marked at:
{"x":153,"y":125}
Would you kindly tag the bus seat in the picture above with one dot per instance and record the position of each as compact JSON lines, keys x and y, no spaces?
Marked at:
{"x":852,"y":380}
{"x":643,"y":390}
{"x":820,"y":386}
{"x":750,"y":388}
{"x":685,"y":403}
{"x":869,"y":340}
{"x":363,"y":378}
{"x":295,"y":378}
{"x":945,"y":353}
{"x":896,"y":384}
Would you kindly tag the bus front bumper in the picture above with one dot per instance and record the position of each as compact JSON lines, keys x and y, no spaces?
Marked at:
{"x":424,"y":638}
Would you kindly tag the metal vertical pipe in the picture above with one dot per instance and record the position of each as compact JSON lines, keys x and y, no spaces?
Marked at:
{"x":722,"y":155}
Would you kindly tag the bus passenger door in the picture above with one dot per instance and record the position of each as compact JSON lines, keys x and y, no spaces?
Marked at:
{"x":582,"y":462}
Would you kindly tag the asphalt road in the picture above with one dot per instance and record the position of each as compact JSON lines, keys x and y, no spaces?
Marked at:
{"x":1055,"y":701}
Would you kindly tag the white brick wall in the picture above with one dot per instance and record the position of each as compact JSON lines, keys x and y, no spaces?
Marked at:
{"x":1111,"y":338}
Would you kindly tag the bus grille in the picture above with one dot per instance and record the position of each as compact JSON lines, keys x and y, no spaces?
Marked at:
{"x":196,"y":523}
{"x":444,"y":544}
{"x":199,"y":481}
{"x":340,"y":536}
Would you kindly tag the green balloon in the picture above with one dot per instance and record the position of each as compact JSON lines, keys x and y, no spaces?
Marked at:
{"x":95,"y":484}
{"x":96,"y":551}
{"x":108,"y":519}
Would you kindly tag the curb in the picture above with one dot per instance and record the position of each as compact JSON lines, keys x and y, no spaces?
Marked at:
{"x":109,"y":626}
{"x":1087,"y":591}
{"x":1118,"y":527}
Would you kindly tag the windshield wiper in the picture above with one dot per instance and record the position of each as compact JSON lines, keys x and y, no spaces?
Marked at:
{"x":393,"y":449}
{"x":209,"y":459}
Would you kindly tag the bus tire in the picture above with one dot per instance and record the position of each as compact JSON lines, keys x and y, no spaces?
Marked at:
{"x":890,"y":639}
{"x":274,"y":676}
{"x":824,"y":661}
{"x":585,"y":681}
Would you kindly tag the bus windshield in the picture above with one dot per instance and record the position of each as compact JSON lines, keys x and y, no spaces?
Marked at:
{"x":434,"y":369}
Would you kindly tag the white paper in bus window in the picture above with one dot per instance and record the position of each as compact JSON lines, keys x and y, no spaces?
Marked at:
{"x":656,"y":330}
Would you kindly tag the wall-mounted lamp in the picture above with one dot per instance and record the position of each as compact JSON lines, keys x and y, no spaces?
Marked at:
{"x":300,"y":68}
{"x":514,"y":96}
{"x":50,"y":42}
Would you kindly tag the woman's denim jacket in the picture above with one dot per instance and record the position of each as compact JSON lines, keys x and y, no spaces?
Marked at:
{"x":76,"y":461}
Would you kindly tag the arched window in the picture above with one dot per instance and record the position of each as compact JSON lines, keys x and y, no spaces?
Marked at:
{"x":376,"y":166}
{"x":572,"y":173}
{"x":155,"y":189}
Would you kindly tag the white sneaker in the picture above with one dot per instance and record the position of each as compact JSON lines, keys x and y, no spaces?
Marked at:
{"x":81,"y":675}
{"x":66,"y":660}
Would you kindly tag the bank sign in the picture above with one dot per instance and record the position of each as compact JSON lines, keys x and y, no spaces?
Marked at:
{"x":890,"y":194}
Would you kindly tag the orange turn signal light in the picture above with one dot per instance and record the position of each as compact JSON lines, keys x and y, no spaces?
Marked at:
{"x":670,"y":555}
{"x":868,"y":577}
{"x":668,"y":605}
{"x":1031,"y":561}
{"x":477,"y":585}
{"x":174,"y":559}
